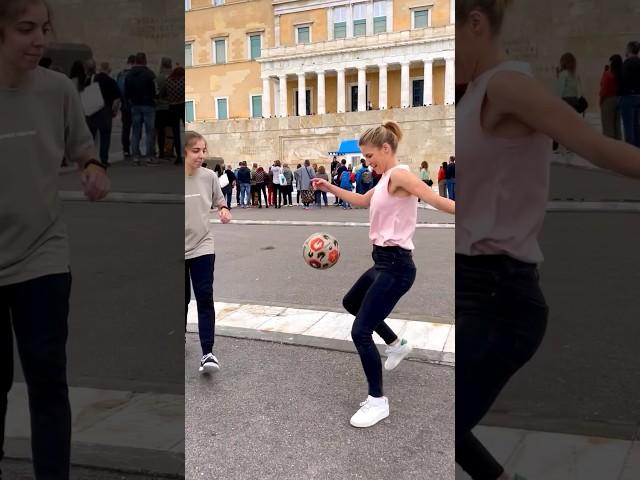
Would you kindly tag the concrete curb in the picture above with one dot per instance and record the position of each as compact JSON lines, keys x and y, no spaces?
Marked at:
{"x":129,"y":460}
{"x":418,"y":355}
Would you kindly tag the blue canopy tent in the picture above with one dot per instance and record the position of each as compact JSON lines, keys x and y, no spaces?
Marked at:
{"x":347,"y":147}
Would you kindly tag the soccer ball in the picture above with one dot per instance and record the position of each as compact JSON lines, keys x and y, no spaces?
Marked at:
{"x":321,"y":251}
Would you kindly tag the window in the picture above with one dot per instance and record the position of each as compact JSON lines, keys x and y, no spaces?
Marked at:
{"x":187,"y":5}
{"x":222,"y":112}
{"x":256,"y":106}
{"x":188,"y":55}
{"x":219,"y":51}
{"x":217,"y":3}
{"x":379,"y":16}
{"x":340,"y":22}
{"x":189,"y":111}
{"x":303,"y":34}
{"x":420,"y":18}
{"x":255,"y":46}
{"x":418,"y":93}
{"x":359,"y":20}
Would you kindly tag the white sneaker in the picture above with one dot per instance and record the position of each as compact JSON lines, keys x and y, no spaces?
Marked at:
{"x":372,"y":410}
{"x":396,"y":353}
{"x":209,"y":363}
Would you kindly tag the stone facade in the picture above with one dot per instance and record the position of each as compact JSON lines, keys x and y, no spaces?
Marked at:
{"x":113,"y":29}
{"x":429,"y":134}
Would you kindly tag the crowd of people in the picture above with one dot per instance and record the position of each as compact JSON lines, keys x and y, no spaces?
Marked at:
{"x":275,"y":186}
{"x":150,"y":105}
{"x":619,"y":93}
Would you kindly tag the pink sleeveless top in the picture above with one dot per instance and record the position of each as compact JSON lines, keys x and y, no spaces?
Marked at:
{"x":502,"y":184}
{"x":393,"y":219}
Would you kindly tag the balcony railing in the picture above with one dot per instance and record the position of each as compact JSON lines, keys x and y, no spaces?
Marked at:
{"x":377,"y":40}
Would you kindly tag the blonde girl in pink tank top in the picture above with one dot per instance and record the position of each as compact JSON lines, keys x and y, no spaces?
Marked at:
{"x":393,"y":212}
{"x":504,"y":124}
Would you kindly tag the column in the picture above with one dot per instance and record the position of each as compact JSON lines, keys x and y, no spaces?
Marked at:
{"x":340,"y":108}
{"x":321,"y":94}
{"x":449,"y":82}
{"x":452,"y":12}
{"x":404,"y":86}
{"x":276,"y":98}
{"x":382,"y":93}
{"x":283,"y":95}
{"x":302,"y":95}
{"x":362,"y":89}
{"x":427,"y":96}
{"x":266,"y":97}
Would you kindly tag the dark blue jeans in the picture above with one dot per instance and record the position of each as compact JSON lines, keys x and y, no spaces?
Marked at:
{"x":630,"y":112}
{"x":143,"y":115}
{"x":451,"y":188}
{"x":501,"y":317}
{"x":38,"y":310}
{"x":199,"y":272}
{"x":371,"y":300}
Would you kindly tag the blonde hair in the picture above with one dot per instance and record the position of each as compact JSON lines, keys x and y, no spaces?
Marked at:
{"x":389,"y":133}
{"x":494,"y":9}
{"x":191,"y":137}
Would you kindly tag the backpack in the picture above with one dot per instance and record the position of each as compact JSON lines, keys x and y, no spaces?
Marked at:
{"x":366,"y":177}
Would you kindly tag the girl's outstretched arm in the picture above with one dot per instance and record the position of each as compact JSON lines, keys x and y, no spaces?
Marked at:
{"x":516,"y":94}
{"x":412,"y":184}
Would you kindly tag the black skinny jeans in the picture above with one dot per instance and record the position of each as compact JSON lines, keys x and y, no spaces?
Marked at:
{"x":261,"y":188}
{"x":198,"y":272}
{"x":501,"y":317}
{"x":371,"y":300}
{"x":38,"y":310}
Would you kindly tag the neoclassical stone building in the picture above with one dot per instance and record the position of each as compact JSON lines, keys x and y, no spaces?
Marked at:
{"x":358,"y":62}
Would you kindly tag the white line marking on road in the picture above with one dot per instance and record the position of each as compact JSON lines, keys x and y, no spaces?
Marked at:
{"x":327,"y":224}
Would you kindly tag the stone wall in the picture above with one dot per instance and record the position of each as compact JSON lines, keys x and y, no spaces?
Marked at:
{"x":540,"y":32}
{"x":114,"y":29}
{"x":428,"y":135}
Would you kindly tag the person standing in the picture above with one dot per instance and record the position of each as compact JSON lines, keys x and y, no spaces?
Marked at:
{"x":244,"y":181}
{"x":261,"y":188}
{"x":306,"y":174}
{"x":174,"y":93}
{"x":630,"y":94}
{"x":320,"y":194}
{"x":451,"y":178}
{"x":102,"y":121}
{"x":392,"y":219}
{"x":296,"y":177}
{"x":202,"y":194}
{"x":287,"y":187}
{"x":228,"y":190}
{"x":163,"y":115}
{"x":125,"y":107}
{"x":35,"y":276}
{"x":609,"y":99}
{"x":277,"y":187}
{"x":442,"y":180}
{"x":140,"y":91}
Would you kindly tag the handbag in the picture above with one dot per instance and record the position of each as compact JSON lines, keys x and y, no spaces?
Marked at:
{"x":224,"y":180}
{"x":91,"y":98}
{"x":282,"y":178}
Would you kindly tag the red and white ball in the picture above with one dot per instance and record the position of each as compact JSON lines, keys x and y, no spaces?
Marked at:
{"x":321,"y":251}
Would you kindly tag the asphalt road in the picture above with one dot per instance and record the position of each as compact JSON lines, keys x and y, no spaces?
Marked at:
{"x":282,"y":412}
